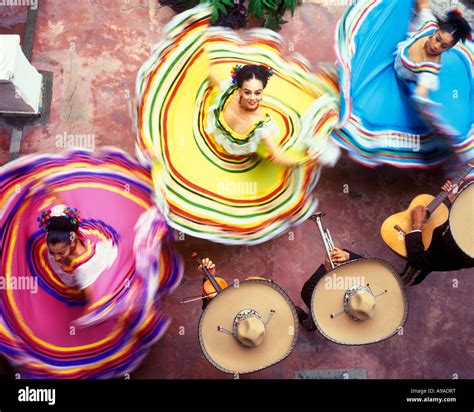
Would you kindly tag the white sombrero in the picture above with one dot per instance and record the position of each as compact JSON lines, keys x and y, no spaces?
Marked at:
{"x":359,"y":302}
{"x":461,"y":220}
{"x":248,"y":328}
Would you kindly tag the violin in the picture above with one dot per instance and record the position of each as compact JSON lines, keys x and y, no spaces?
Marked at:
{"x":212,"y":285}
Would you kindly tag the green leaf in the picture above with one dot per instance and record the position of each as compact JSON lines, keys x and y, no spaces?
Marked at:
{"x":290,"y":4}
{"x":271,"y":4}
{"x":214,"y":15}
{"x":219,"y":6}
{"x":256,"y":8}
{"x":228,"y":3}
{"x":272,"y":11}
{"x":271,"y":23}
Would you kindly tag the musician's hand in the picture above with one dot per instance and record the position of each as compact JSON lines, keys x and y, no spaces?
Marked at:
{"x":418,"y":216}
{"x":338,"y":256}
{"x":209,"y":264}
{"x":448,"y":187}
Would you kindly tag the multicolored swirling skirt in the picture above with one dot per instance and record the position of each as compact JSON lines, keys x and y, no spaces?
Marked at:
{"x":381,"y":120}
{"x":50,"y":330}
{"x":207,"y":192}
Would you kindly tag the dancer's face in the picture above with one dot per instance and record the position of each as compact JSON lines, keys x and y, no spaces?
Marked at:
{"x":439,"y":42}
{"x":61,"y":252}
{"x":251,"y":94}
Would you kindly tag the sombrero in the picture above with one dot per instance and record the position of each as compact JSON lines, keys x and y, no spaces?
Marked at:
{"x":249,"y":327}
{"x":359,"y":302}
{"x":461,"y":220}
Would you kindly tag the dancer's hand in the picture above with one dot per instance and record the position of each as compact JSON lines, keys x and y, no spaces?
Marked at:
{"x":418,"y":216}
{"x":448,"y":187}
{"x":276,"y":154}
{"x":423,"y":4}
{"x":422,"y":91}
{"x":209,"y":264}
{"x":313,"y":154}
{"x":214,"y":78}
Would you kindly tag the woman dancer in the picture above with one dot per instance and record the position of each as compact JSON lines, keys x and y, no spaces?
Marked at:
{"x":406,"y":101}
{"x":83,"y":288}
{"x":236,"y":132}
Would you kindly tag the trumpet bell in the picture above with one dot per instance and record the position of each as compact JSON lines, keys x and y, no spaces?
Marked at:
{"x":316,"y":216}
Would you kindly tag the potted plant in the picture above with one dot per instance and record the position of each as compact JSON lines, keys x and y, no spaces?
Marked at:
{"x":236,"y":13}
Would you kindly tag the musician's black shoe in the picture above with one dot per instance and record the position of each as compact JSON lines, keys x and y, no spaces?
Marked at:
{"x":302,"y":315}
{"x":305,"y":319}
{"x":309,"y":324}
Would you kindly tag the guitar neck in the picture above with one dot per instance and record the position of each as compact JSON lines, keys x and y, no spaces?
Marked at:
{"x":443,"y":195}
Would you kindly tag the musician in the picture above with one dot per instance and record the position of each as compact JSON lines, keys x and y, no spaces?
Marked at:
{"x":338,"y":256}
{"x":443,"y":255}
{"x":210,"y":265}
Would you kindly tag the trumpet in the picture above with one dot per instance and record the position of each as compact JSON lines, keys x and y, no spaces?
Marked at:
{"x":325,"y":235}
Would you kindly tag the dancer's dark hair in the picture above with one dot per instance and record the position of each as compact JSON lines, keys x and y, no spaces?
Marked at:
{"x":456,"y":25}
{"x":251,"y":71}
{"x":59,"y":230}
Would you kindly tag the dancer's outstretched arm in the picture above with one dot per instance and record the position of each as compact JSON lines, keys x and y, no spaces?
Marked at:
{"x":423,"y":14}
{"x":422,"y":91}
{"x":214,"y":79}
{"x":422,"y":4}
{"x":282,"y":158}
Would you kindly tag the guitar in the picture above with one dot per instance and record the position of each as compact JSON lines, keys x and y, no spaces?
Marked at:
{"x":395,"y":228}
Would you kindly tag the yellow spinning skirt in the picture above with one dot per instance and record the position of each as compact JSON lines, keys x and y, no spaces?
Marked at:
{"x":209,"y":193}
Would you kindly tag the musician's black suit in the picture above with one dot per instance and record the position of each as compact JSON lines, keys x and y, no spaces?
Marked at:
{"x":443,"y":254}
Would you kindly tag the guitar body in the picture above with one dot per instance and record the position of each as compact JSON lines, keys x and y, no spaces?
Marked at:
{"x":394,"y":237}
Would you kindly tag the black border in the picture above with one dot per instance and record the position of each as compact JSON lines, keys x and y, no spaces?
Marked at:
{"x":135,"y":394}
